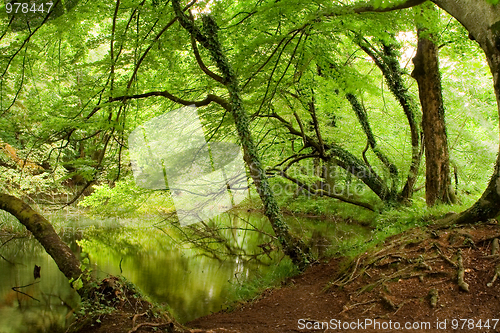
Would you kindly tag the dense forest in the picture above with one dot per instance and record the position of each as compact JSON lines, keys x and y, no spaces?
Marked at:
{"x":382,"y":114}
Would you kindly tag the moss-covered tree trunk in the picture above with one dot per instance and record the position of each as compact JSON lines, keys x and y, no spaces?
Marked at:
{"x":437,"y":160}
{"x":482,"y":19}
{"x":47,"y":236}
{"x":386,"y":59}
{"x":208,"y":38}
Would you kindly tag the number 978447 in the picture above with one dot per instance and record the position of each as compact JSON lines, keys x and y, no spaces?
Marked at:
{"x":25,"y":8}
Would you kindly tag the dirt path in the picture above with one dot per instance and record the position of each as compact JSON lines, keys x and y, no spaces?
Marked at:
{"x":393,"y":285}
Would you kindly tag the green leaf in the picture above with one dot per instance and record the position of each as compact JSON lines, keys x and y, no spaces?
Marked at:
{"x":78,"y":284}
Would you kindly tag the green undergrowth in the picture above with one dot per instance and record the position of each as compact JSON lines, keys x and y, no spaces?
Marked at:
{"x":315,"y":205}
{"x":395,"y":221}
{"x":352,"y":230}
{"x":251,"y":290}
{"x":126,"y":200}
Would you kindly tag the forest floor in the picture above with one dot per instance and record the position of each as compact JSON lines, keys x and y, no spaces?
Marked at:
{"x":432,"y":279}
{"x":391,"y":286}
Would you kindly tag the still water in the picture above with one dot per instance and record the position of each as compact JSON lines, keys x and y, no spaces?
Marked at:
{"x":190,"y":282}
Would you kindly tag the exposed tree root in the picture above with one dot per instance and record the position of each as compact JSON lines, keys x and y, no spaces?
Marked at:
{"x":348,"y":307}
{"x":440,"y":252}
{"x":433,"y":297}
{"x":389,"y":302}
{"x":137,"y":316}
{"x":433,"y":256}
{"x":495,"y":247}
{"x":148,"y":325}
{"x":115,"y":301}
{"x":497,"y":273}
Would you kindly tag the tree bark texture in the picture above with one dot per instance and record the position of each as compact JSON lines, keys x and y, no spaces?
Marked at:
{"x":437,"y":160}
{"x":482,"y":20}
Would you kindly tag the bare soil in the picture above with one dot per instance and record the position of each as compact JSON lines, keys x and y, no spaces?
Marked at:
{"x":411,"y":279}
{"x":393,"y":283}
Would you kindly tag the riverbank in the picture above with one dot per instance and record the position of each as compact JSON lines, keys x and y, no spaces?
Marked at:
{"x":412,"y":278}
{"x":430,"y":278}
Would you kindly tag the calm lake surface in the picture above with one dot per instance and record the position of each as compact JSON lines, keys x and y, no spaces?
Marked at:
{"x":190,"y":282}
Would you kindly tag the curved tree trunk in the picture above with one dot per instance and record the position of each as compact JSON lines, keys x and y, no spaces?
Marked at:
{"x":365,"y":125}
{"x":387,"y":61}
{"x":292,"y":246}
{"x":47,"y":236}
{"x":482,"y":20}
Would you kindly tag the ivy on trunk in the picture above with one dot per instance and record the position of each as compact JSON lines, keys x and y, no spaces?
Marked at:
{"x":208,"y":38}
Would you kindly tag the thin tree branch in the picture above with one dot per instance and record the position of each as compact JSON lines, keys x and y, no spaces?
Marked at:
{"x":169,"y":24}
{"x":210,"y":98}
{"x":312,"y":111}
{"x":296,"y":158}
{"x":284,"y":72}
{"x":265,"y":62}
{"x":26,"y":40}
{"x":321,"y":192}
{"x":111,"y":46}
{"x":202,"y":65}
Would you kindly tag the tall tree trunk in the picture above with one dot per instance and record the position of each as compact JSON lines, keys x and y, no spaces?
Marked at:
{"x":426,"y":72}
{"x":48,"y":238}
{"x":482,"y":20}
{"x":292,"y":246}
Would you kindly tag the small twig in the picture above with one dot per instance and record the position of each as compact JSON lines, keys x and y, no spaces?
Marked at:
{"x":342,"y":281}
{"x":491,"y":256}
{"x":461,"y":272}
{"x":10,"y":262}
{"x":400,"y":306}
{"x":439,"y":282}
{"x":8,"y":240}
{"x":495,"y":247}
{"x":353,"y":271}
{"x":18,"y":291}
{"x":368,"y":309}
{"x":389,"y":302}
